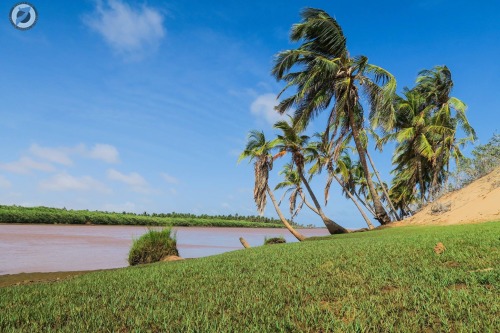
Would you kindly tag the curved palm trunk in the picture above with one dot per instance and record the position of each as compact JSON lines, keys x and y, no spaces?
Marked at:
{"x":381,"y":214}
{"x":333,"y":228}
{"x":367,"y":206}
{"x":391,"y":206}
{"x":311,"y":207}
{"x":367,"y":220}
{"x":294,"y":232}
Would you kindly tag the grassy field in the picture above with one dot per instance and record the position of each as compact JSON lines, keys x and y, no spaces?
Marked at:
{"x":46,"y":215}
{"x":382,"y":281}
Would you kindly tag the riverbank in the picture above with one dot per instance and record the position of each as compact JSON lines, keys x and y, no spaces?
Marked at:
{"x":23,"y":279}
{"x":386,"y":280}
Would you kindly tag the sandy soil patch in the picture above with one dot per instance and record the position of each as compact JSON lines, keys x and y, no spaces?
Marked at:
{"x":475,"y":203}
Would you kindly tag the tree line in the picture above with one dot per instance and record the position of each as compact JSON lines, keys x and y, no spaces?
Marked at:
{"x":46,"y":215}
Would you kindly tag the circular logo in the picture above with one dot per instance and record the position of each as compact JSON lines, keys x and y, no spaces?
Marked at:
{"x":23,"y":16}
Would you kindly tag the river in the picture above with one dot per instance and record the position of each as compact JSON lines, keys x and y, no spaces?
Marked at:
{"x":51,"y":248}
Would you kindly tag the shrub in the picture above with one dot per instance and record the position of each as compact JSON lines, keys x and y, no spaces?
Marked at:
{"x":485,"y":159}
{"x":153,"y":246}
{"x":274,"y":240}
{"x":440,"y":208}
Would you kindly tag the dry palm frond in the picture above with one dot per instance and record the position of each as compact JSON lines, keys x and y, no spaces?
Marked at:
{"x":261,"y":178}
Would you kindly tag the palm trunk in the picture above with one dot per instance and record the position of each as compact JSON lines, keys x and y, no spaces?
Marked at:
{"x":297,"y":235}
{"x":308,"y":204}
{"x":381,"y":214}
{"x":393,"y":210}
{"x":421,"y":182}
{"x":332,"y":227}
{"x":446,"y":178}
{"x":367,"y":220}
{"x":244,"y":243}
{"x":434,"y":186}
{"x":367,"y":206}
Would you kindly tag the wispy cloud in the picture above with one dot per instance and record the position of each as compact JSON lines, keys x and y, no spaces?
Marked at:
{"x":67,"y":182}
{"x":132,"y":179}
{"x":131,"y":32}
{"x":4,"y":183}
{"x":25,"y":165}
{"x":169,"y":179}
{"x":104,"y":152}
{"x":263,"y":107}
{"x":136,"y":182}
{"x":55,"y":155}
{"x":62,"y":155}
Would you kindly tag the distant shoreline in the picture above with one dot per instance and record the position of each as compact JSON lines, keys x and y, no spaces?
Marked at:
{"x":46,"y":215}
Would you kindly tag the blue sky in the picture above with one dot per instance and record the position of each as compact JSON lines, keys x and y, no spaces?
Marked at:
{"x":144,"y":106}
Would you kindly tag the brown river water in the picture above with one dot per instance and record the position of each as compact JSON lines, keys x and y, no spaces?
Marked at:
{"x":52,"y":248}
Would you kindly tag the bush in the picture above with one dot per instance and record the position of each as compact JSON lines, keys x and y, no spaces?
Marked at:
{"x":274,"y":240}
{"x":485,"y":159}
{"x":153,"y":246}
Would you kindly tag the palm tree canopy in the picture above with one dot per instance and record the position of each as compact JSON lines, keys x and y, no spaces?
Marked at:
{"x":324,"y":74}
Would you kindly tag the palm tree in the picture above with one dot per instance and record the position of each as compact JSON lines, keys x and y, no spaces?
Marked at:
{"x":259,"y":149}
{"x":293,"y":186}
{"x":327,"y":77}
{"x":415,"y":134}
{"x":293,"y":142}
{"x":320,"y":154}
{"x":435,"y":86}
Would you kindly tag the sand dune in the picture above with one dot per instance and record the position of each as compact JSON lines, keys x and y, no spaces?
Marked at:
{"x":477,"y":202}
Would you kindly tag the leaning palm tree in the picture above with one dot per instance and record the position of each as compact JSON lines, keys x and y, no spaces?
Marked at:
{"x":259,"y":149}
{"x":321,"y":156}
{"x":415,"y":134}
{"x":326,"y":77}
{"x":291,"y":141}
{"x":435,"y":86}
{"x":292,"y":184}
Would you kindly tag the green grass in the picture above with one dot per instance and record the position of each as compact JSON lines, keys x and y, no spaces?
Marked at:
{"x":382,"y":281}
{"x":152,"y":247}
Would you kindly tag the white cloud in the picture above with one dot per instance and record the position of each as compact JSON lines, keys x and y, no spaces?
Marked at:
{"x":4,"y":183}
{"x":61,"y":155}
{"x":132,"y":179}
{"x":66,"y":182}
{"x":131,"y":32}
{"x":26,"y":165}
{"x":263,"y":107}
{"x":55,"y":155}
{"x":169,"y":179}
{"x":104,"y":152}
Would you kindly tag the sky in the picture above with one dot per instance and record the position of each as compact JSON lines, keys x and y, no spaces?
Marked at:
{"x":145,"y":106}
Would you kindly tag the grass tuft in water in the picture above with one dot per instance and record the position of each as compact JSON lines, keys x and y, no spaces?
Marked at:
{"x":153,"y":247}
{"x":274,"y":240}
